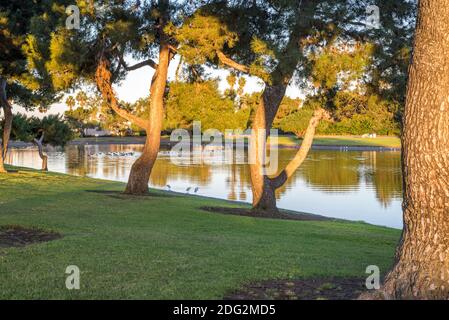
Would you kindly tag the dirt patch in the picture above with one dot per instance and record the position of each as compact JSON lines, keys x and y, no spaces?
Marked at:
{"x":16,"y":236}
{"x":282,"y":214}
{"x":307,"y":289}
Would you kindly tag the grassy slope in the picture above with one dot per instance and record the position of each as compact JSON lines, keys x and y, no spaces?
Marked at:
{"x":382,"y":141}
{"x":165,"y":247}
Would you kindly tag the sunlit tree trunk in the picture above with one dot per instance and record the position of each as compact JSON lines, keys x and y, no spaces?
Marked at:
{"x":421,"y":270}
{"x":141,"y":169}
{"x":263,"y":192}
{"x":264,"y":187}
{"x":7,"y":121}
{"x":42,"y":155}
{"x":2,"y":167}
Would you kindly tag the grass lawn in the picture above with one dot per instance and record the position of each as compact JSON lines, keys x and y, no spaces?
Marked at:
{"x":381,"y":141}
{"x":165,"y":246}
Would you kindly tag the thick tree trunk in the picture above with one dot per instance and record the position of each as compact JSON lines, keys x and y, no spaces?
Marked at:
{"x":141,"y":170}
{"x":2,"y":167}
{"x":263,"y":192}
{"x":42,"y":155}
{"x":421,"y":270}
{"x":267,"y":200}
{"x":7,"y":121}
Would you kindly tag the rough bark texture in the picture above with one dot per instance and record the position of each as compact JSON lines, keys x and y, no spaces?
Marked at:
{"x":2,"y":167}
{"x":264,"y":187}
{"x":7,"y":121}
{"x":421,"y":270}
{"x":141,"y":169}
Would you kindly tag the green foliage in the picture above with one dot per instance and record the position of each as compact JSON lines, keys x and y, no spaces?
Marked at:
{"x":188,"y":102}
{"x":352,"y":113}
{"x":57,"y":132}
{"x":201,"y":37}
{"x":85,"y":115}
{"x":22,"y":128}
{"x":337,"y":63}
{"x":22,"y":59}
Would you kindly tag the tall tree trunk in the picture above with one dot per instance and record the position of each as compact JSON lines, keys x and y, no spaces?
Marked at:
{"x":141,"y":170}
{"x":268,"y":186}
{"x":263,"y":193}
{"x":2,"y":167}
{"x":7,"y":121}
{"x":421,"y":270}
{"x":42,"y":155}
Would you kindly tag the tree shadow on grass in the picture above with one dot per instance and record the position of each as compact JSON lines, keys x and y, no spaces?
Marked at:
{"x":281,"y":214}
{"x":303,"y":289}
{"x":123,"y":196}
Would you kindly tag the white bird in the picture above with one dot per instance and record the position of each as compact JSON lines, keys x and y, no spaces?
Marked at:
{"x":188,"y":189}
{"x":196,"y":189}
{"x":168,"y":187}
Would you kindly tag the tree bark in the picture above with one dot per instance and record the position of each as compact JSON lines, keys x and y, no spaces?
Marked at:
{"x":7,"y":122}
{"x":2,"y":166}
{"x":141,"y":170}
{"x":266,"y":200}
{"x":263,"y":191}
{"x":421,"y":270}
{"x":42,"y":155}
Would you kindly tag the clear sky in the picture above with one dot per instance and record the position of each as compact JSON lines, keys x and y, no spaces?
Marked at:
{"x":137,"y":85}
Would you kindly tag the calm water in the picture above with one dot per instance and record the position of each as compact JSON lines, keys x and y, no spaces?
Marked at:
{"x":351,"y":185}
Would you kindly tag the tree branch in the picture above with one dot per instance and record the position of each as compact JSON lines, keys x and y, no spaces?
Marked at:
{"x":301,"y":155}
{"x":103,"y":79}
{"x":139,"y":65}
{"x":231,"y":63}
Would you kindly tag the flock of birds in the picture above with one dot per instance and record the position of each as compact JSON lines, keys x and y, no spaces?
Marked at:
{"x":113,"y":154}
{"x":195,"y":190}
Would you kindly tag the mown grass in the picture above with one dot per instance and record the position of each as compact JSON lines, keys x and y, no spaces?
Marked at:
{"x":287,"y":141}
{"x":164,"y":246}
{"x":350,"y":141}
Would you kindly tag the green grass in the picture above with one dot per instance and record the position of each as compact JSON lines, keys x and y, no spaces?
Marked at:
{"x":165,"y":247}
{"x":381,"y":141}
{"x":288,"y":141}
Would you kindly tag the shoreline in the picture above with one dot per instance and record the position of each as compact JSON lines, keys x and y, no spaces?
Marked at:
{"x":168,"y":144}
{"x":236,"y":203}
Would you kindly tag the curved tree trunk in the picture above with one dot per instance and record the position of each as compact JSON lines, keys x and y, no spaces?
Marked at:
{"x":139,"y":176}
{"x":7,"y":121}
{"x":141,"y":169}
{"x":263,"y":193}
{"x":267,"y":198}
{"x":42,"y":155}
{"x":2,"y":167}
{"x":421,"y":270}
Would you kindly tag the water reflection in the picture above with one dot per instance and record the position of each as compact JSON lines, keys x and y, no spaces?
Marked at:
{"x":351,"y":185}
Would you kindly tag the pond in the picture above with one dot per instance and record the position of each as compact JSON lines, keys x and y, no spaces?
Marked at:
{"x":354,"y":185}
